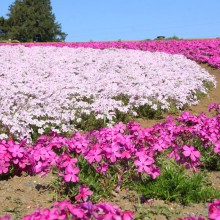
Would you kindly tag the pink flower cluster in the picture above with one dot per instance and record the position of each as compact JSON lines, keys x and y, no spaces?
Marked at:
{"x":214,"y":210}
{"x":84,"y":193}
{"x":100,"y":211}
{"x":85,"y":211}
{"x":12,"y":153}
{"x":128,"y":146}
{"x":215,"y":107}
{"x":202,"y":51}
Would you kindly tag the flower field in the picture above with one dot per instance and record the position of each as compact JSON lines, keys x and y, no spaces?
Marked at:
{"x":52,"y":88}
{"x":66,"y":111}
{"x":201,"y":51}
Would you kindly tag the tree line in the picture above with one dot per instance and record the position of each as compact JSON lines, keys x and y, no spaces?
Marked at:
{"x":31,"y":20}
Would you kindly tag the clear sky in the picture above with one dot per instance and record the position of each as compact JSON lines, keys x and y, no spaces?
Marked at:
{"x":106,"y":20}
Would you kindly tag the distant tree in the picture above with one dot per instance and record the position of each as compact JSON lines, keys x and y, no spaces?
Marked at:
{"x":3,"y":28}
{"x":174,"y":37}
{"x":33,"y":20}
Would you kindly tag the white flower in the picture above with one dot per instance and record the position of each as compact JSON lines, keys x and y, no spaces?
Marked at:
{"x":57,"y":85}
{"x":3,"y":136}
{"x":40,"y":131}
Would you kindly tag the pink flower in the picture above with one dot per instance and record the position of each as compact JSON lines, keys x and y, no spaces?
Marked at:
{"x":84,"y":192}
{"x":102,"y":168}
{"x":155,"y":172}
{"x":16,"y":150}
{"x":126,"y":154}
{"x":4,"y":166}
{"x":111,"y":216}
{"x":217,"y":148}
{"x":128,"y":215}
{"x":4,"y":153}
{"x":94,"y":155}
{"x":66,"y":207}
{"x":214,"y":210}
{"x":190,"y":151}
{"x":143,"y":163}
{"x":113,"y":152}
{"x":71,"y":174}
{"x":7,"y":217}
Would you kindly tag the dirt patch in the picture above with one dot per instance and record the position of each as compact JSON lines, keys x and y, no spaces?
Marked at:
{"x":157,"y":209}
{"x":23,"y":195}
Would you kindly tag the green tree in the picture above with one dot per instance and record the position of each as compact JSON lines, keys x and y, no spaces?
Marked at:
{"x":3,"y":28}
{"x":33,"y":20}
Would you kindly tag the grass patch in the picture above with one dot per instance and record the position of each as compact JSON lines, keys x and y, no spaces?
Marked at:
{"x":175,"y":184}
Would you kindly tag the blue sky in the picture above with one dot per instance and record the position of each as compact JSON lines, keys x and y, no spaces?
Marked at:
{"x":106,"y":20}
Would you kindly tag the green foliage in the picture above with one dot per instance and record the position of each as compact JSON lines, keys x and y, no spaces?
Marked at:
{"x":3,"y":28}
{"x":175,"y":185}
{"x":209,"y":159}
{"x":174,"y":37}
{"x":89,"y":122}
{"x":148,"y":112}
{"x":208,"y":85}
{"x":122,"y":97}
{"x":173,"y":109}
{"x":33,"y":21}
{"x":121,"y":117}
{"x":35,"y":134}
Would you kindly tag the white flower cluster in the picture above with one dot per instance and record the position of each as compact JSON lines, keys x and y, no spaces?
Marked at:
{"x":50,"y":86}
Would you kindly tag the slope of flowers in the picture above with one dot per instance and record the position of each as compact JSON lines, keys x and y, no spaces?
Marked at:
{"x":51,"y":87}
{"x":188,"y":139}
{"x":202,"y":51}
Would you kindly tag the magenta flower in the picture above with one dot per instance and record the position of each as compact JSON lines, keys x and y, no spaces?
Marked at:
{"x":113,"y":152}
{"x":71,"y":174}
{"x":65,"y":160}
{"x":4,"y":153}
{"x":111,"y":216}
{"x":84,"y":193}
{"x":126,"y":154}
{"x":175,"y":153}
{"x":128,"y":215}
{"x":16,"y":150}
{"x":144,"y":163}
{"x":6,"y":217}
{"x":65,"y":208}
{"x":76,"y":212}
{"x":160,"y":145}
{"x":94,"y":155}
{"x":102,"y":168}
{"x":214,"y":210}
{"x":217,"y":148}
{"x":190,"y":151}
{"x":155,"y":172}
{"x":4,"y":166}
{"x":38,"y":167}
